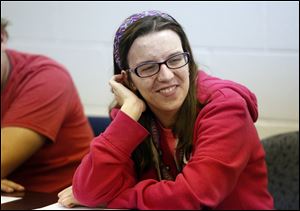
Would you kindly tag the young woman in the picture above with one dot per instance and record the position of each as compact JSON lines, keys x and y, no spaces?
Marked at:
{"x":179,"y":139}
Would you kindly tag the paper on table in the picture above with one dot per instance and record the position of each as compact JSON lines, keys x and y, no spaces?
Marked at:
{"x":58,"y":206}
{"x":5,"y":199}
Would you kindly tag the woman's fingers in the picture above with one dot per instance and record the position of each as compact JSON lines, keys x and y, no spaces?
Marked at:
{"x":64,"y":191}
{"x":66,"y":198}
{"x":10,"y":186}
{"x":67,"y":201}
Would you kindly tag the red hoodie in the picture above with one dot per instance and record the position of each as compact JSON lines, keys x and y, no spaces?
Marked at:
{"x":227,"y":168}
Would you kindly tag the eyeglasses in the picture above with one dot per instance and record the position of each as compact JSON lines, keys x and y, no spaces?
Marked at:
{"x":151,"y":68}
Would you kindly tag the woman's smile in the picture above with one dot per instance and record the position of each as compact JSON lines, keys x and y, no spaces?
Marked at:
{"x":168,"y":91}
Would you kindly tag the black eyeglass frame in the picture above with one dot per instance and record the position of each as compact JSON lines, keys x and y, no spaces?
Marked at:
{"x":135,"y":70}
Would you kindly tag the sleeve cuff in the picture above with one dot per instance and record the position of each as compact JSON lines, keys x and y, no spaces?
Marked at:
{"x":125,"y":133}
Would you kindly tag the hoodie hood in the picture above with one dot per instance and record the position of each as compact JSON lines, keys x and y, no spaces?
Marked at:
{"x":209,"y":85}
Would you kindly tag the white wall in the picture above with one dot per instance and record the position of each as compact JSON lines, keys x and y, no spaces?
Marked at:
{"x":254,"y":43}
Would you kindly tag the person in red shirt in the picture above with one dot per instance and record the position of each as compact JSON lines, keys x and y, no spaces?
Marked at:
{"x":179,"y":139}
{"x":44,"y":131}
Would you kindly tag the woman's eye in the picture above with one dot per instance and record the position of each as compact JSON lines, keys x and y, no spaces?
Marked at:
{"x":147,"y":68}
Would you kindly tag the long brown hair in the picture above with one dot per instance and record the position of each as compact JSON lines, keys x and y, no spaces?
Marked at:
{"x":184,"y":124}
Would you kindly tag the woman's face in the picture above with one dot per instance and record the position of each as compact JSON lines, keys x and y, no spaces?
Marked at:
{"x":165,"y":91}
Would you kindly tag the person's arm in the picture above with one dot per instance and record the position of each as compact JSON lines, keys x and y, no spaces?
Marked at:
{"x":17,"y":145}
{"x":130,"y":112}
{"x":108,"y":169}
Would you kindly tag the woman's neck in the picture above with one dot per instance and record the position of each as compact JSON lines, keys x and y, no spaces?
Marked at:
{"x":167,"y":119}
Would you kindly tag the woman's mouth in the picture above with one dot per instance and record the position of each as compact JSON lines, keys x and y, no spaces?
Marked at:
{"x":168,"y":91}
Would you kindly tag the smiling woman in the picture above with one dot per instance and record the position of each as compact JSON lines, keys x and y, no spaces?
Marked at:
{"x":177,"y":133}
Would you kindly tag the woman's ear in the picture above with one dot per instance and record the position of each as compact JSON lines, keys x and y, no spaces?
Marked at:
{"x":125,"y":78}
{"x":128,"y":81}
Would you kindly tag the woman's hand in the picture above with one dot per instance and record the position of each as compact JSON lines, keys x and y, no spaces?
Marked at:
{"x":129,"y":102}
{"x":66,"y":198}
{"x":10,"y":186}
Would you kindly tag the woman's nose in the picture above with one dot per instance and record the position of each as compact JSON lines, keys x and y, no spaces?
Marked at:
{"x":165,"y":73}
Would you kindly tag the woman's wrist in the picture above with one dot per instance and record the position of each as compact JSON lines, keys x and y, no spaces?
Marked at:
{"x":133,"y":109}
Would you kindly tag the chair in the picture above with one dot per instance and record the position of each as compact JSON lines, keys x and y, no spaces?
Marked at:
{"x":282,"y":158}
{"x":98,"y":123}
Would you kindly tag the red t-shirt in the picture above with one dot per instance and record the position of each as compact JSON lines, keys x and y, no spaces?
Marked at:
{"x":40,"y":95}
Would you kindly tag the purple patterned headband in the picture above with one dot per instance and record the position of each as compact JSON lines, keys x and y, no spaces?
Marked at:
{"x":128,"y":22}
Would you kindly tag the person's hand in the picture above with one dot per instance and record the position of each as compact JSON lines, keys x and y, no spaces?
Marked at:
{"x":8,"y":186}
{"x":66,"y":198}
{"x":129,"y":102}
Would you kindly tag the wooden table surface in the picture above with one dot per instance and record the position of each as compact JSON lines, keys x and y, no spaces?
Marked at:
{"x":29,"y":200}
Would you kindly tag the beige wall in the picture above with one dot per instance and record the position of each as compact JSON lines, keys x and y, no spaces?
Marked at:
{"x":254,"y":43}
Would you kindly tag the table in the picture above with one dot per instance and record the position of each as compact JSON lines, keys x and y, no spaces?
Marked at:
{"x":29,"y":200}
